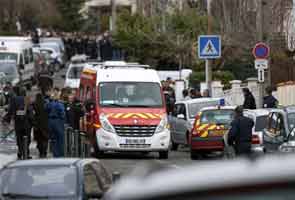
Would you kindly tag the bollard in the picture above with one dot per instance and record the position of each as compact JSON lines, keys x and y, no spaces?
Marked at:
{"x":25,"y":147}
{"x":69,"y":133}
{"x":116,"y":176}
{"x":66,"y":141}
{"x":76,"y":142}
{"x":72,"y":141}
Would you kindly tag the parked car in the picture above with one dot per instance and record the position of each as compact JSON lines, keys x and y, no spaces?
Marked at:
{"x":281,"y":122}
{"x":210,"y":125}
{"x":59,"y":54}
{"x":54,"y":179}
{"x":260,"y":118}
{"x":265,"y":178}
{"x":51,"y":57}
{"x":182,"y":119}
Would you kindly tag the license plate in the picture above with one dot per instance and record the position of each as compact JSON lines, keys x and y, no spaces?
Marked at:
{"x":133,"y":141}
{"x":217,"y":133}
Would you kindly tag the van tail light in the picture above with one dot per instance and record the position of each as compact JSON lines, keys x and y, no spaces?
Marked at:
{"x":255,"y":139}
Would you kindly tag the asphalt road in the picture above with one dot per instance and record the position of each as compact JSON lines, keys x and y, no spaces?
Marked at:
{"x":115,"y":162}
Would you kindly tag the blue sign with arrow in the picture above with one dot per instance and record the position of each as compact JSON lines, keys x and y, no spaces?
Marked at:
{"x":209,"y":46}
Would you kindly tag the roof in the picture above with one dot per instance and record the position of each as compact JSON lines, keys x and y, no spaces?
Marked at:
{"x":218,"y":107}
{"x":120,"y":71}
{"x":199,"y":100}
{"x":44,"y":162}
{"x":207,"y":175}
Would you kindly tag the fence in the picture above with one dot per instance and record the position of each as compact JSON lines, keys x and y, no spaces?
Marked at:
{"x":234,"y":96}
{"x":76,"y":144}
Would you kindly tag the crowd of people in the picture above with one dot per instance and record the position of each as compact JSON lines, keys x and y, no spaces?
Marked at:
{"x":46,"y":116}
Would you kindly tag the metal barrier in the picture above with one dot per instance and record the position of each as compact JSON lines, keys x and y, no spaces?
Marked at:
{"x":76,"y":144}
{"x":25,"y":148}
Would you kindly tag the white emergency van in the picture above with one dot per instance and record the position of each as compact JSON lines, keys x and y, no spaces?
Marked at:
{"x":19,"y":49}
{"x":128,"y":111}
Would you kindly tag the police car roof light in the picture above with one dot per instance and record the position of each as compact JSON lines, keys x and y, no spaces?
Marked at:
{"x":221,"y":102}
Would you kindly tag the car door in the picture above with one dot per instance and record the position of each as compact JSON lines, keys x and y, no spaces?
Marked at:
{"x":181,"y":123}
{"x":275,"y":133}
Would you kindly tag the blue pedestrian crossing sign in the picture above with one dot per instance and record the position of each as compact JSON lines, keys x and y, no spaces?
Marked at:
{"x":209,"y":46}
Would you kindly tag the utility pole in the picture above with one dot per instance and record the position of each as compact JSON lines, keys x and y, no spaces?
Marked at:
{"x":114,"y":15}
{"x":209,"y":62}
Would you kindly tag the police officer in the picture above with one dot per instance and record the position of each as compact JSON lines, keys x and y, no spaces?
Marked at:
{"x":240,"y":133}
{"x":56,"y":121}
{"x":249,"y":100}
{"x":269,"y":101}
{"x":74,"y":112}
{"x":41,"y":125}
{"x":21,"y":111}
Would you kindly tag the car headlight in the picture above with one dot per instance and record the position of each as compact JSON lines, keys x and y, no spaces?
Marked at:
{"x":105,"y":124}
{"x":163,"y":125}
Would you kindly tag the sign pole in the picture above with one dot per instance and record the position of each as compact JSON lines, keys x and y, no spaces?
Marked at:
{"x":208,"y":62}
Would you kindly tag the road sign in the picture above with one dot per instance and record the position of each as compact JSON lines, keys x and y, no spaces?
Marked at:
{"x":261,"y":51}
{"x":209,"y":46}
{"x":260,"y":75}
{"x":261,"y":64}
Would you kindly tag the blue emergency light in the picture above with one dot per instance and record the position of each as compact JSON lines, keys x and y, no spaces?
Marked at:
{"x":221,"y":102}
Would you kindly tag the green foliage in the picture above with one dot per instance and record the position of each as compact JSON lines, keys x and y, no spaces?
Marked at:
{"x":70,"y":14}
{"x":148,"y":40}
{"x":199,"y":76}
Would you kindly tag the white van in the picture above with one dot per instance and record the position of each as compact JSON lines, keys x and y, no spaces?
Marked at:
{"x":19,"y":49}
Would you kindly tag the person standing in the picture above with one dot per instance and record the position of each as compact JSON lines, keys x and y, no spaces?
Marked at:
{"x":185,"y":95}
{"x":240,"y":133}
{"x":41,"y":125}
{"x":56,"y":121}
{"x":269,"y":101}
{"x":249,"y":100}
{"x":74,"y":112}
{"x":106,"y":48}
{"x":20,"y":110}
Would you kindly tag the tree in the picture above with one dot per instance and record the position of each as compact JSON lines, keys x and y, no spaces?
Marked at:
{"x":72,"y":19}
{"x":157,"y":42}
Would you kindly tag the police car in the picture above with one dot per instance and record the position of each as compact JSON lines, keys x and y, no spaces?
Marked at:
{"x":210,"y":125}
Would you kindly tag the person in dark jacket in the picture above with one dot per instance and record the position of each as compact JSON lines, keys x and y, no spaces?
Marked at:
{"x":269,"y":101}
{"x":56,"y":121}
{"x":240,"y":133}
{"x":41,"y":125}
{"x":20,"y":110}
{"x":106,"y":48}
{"x":74,"y":112}
{"x":249,"y":100}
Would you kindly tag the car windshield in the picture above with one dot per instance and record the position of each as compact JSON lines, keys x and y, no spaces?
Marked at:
{"x":291,"y":120}
{"x":130,"y":94}
{"x":194,"y":108}
{"x":223,"y":117}
{"x":261,"y":123}
{"x":9,"y":70}
{"x":59,"y":181}
{"x":8,"y":56}
{"x":75,"y":72}
{"x":48,"y":45}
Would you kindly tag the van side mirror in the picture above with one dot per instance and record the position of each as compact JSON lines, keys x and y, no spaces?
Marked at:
{"x":89,"y":105}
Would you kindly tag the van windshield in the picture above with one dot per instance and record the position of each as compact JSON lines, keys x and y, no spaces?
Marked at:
{"x":8,"y":56}
{"x":9,"y":70}
{"x":130,"y":94}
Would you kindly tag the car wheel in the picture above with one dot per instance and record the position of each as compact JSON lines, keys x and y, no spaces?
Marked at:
{"x":29,"y":86}
{"x":195,"y":155}
{"x":174,"y":146}
{"x":163,"y":154}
